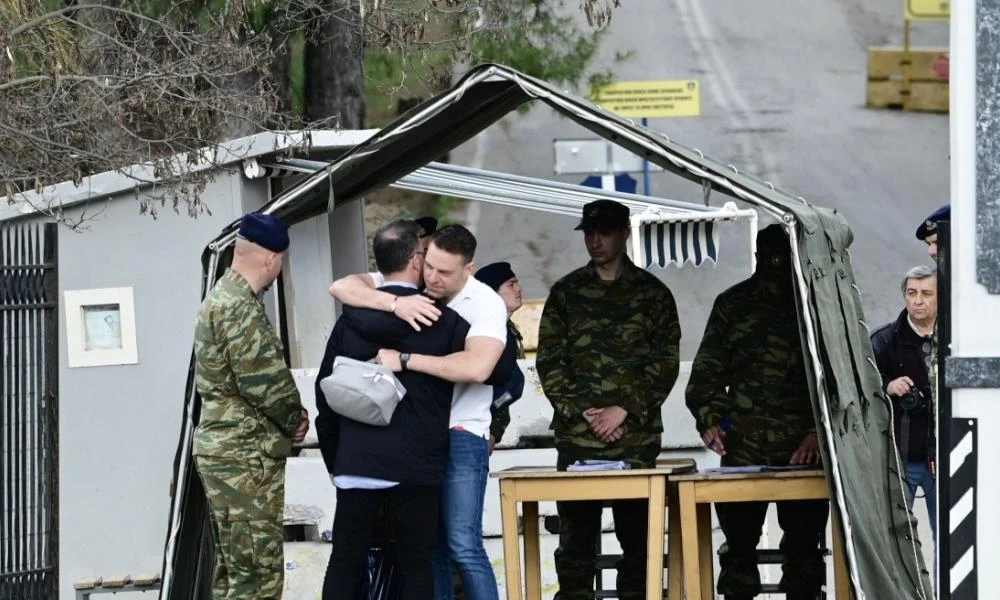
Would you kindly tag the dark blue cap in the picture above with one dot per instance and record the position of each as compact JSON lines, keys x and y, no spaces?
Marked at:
{"x":495,"y":274}
{"x":930,"y":224}
{"x":266,"y":231}
{"x":604,"y":215}
{"x":428,"y":225}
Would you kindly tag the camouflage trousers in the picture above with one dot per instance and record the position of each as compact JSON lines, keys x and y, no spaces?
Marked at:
{"x":803,"y":524}
{"x":246,"y":498}
{"x":580,"y":533}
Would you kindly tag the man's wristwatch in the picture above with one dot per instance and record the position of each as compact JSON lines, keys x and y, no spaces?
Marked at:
{"x":404,"y":358}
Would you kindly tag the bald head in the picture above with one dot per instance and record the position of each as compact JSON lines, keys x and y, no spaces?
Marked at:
{"x":258,"y":265}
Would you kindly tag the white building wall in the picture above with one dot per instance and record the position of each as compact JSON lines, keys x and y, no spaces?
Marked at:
{"x":118,"y":425}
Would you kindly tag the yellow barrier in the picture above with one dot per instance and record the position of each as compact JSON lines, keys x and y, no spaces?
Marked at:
{"x":914,"y":80}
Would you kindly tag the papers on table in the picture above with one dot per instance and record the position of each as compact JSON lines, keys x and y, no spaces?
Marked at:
{"x":599,"y":465}
{"x":759,"y":469}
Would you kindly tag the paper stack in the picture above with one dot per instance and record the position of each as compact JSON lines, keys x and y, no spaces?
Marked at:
{"x":599,"y":465}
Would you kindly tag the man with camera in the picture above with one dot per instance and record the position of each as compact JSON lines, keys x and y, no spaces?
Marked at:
{"x":906,"y":350}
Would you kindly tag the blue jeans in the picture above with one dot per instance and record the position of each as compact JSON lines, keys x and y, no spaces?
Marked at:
{"x":460,"y":538}
{"x":918,"y":474}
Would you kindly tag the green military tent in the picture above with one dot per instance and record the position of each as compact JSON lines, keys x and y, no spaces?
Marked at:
{"x":852,"y":417}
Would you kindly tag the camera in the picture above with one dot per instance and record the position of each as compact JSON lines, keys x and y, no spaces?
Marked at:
{"x":914,"y":401}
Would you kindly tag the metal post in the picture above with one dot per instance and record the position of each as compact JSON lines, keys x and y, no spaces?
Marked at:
{"x":943,"y":415}
{"x":645,"y":166}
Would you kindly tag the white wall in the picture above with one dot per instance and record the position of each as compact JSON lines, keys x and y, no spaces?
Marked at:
{"x":119,"y":425}
{"x":975,"y":321}
{"x":323,"y":248}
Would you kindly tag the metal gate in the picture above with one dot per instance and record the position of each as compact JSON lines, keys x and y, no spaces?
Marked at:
{"x":29,"y":378}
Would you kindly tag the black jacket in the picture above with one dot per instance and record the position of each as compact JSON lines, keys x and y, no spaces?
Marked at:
{"x":414,"y":446}
{"x":898,"y":352}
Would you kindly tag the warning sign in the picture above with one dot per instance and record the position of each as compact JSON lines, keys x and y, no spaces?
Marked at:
{"x":639,"y":99}
{"x":927,"y":10}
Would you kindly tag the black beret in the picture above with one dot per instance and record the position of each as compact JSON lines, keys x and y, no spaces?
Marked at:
{"x":495,"y":274}
{"x":428,"y":225}
{"x":264,"y":230}
{"x":929,"y":226}
{"x":604,"y":215}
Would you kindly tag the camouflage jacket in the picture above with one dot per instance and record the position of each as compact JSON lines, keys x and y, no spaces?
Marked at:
{"x":501,"y":418}
{"x":608,"y":343}
{"x":250,"y":405}
{"x":750,"y":368}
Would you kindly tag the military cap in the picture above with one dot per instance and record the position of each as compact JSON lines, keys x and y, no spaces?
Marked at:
{"x":930,"y":224}
{"x":603,"y":215}
{"x":428,"y":225}
{"x":773,"y":240}
{"x":495,"y":274}
{"x":266,"y":231}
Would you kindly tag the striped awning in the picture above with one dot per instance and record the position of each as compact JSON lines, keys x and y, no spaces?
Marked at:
{"x":664,"y":238}
{"x":678,"y":243}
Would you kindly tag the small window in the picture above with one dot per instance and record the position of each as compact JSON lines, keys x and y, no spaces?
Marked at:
{"x":100,"y":327}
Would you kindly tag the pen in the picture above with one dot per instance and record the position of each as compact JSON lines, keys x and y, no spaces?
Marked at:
{"x":723,"y":428}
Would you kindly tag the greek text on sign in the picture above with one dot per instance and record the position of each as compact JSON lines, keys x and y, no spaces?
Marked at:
{"x":927,"y":10}
{"x":638,"y":99}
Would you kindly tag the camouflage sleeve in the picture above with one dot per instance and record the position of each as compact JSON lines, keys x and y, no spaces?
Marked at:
{"x":263,"y":378}
{"x":501,"y":419}
{"x":552,"y":361}
{"x":705,"y":394}
{"x":663,"y":365}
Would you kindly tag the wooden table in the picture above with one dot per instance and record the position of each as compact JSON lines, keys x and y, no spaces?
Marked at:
{"x":695,"y":493}
{"x":531,"y":485}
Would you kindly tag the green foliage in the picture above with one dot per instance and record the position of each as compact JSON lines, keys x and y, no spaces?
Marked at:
{"x":534,"y":38}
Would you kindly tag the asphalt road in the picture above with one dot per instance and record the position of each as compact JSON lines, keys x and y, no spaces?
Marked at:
{"x":783,"y":91}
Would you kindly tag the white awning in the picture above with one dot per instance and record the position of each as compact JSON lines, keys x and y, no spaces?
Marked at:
{"x":664,"y":231}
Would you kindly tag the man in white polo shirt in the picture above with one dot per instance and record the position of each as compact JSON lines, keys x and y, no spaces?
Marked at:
{"x":448,"y":268}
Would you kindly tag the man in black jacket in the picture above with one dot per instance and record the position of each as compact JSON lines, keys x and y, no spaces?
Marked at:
{"x":905,"y":351}
{"x":399,"y":467}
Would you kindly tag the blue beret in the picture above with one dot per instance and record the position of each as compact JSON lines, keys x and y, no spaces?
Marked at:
{"x":495,"y":274}
{"x":428,"y":225}
{"x":929,"y":226}
{"x":264,"y":230}
{"x":604,"y":215}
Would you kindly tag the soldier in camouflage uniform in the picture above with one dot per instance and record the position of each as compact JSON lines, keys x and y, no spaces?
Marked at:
{"x":608,"y":350}
{"x":502,"y":279}
{"x":250,"y":416}
{"x":750,"y":399}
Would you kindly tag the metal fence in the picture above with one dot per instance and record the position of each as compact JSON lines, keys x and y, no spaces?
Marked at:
{"x":29,"y":377}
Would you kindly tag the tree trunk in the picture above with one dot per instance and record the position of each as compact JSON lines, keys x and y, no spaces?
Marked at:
{"x":334,"y":66}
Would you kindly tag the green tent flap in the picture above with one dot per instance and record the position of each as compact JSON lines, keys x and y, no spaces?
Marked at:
{"x":852,"y":417}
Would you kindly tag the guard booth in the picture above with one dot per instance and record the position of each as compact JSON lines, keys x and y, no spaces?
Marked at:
{"x":858,"y":457}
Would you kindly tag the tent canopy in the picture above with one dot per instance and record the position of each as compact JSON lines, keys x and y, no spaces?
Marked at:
{"x":852,"y":419}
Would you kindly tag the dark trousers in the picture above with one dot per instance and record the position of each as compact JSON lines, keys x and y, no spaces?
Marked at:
{"x":803,"y":524}
{"x":413,"y":518}
{"x":579,"y":530}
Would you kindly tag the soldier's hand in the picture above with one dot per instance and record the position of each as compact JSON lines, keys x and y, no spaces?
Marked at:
{"x":607,"y":421}
{"x":389,"y":358}
{"x":416,"y":310}
{"x":808,"y":452}
{"x":300,"y":433}
{"x":899,"y":386}
{"x":714,"y":439}
{"x":616,"y":435}
{"x":493,"y":444}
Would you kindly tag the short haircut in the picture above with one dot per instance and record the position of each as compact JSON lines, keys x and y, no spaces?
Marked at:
{"x":919,"y":272}
{"x":395,"y":244}
{"x":455,"y":239}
